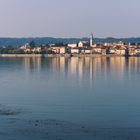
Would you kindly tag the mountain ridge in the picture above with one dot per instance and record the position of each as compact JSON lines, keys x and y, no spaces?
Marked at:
{"x":16,"y":42}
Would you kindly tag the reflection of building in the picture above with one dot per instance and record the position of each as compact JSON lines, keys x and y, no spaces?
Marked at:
{"x":117,"y":66}
{"x":84,"y":69}
{"x":91,"y":69}
{"x":133,"y":65}
{"x":62,"y":64}
{"x":38,"y":63}
{"x":31,"y":63}
{"x":80,"y":68}
{"x":27,"y":65}
{"x":73,"y":65}
{"x":55,"y":64}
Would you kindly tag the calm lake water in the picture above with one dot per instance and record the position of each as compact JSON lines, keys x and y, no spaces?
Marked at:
{"x":100,"y":92}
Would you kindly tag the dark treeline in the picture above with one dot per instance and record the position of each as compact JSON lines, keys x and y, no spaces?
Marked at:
{"x":16,"y":42}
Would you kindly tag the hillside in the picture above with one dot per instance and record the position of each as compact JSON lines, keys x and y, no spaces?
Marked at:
{"x":16,"y":42}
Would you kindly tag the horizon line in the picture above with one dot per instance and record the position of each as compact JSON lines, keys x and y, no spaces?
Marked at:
{"x":16,"y":37}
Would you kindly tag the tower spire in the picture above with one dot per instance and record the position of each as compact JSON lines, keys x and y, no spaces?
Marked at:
{"x":91,"y":39}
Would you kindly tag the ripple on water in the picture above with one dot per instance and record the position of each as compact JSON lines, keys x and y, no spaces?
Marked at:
{"x":7,"y":111}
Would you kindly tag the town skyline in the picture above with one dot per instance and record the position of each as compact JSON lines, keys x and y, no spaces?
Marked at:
{"x":83,"y":47}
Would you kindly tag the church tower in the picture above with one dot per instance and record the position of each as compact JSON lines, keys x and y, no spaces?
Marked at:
{"x":91,"y":40}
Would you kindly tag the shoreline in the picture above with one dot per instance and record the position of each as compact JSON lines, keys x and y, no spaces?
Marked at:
{"x":63,"y":55}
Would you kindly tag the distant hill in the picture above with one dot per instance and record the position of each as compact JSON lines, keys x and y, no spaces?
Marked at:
{"x":16,"y":42}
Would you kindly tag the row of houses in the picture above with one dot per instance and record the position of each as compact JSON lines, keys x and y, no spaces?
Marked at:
{"x":99,"y":49}
{"x":84,"y":47}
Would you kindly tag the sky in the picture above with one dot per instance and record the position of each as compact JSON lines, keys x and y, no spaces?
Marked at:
{"x":69,"y":18}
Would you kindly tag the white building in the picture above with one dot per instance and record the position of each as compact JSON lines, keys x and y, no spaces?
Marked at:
{"x":36,"y":50}
{"x":62,"y":50}
{"x":97,"y":50}
{"x":120,"y":51}
{"x":72,"y":45}
{"x":137,"y":50}
{"x":80,"y":44}
{"x":75,"y":51}
{"x":26,"y":46}
{"x":83,"y":44}
{"x":86,"y":51}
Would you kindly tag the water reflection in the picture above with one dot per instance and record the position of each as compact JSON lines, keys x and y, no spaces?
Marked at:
{"x":85,"y":68}
{"x":98,"y":91}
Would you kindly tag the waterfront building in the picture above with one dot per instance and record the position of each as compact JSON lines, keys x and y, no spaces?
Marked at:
{"x":83,"y":44}
{"x":86,"y":51}
{"x":37,"y":50}
{"x":55,"y":49}
{"x":137,"y":51}
{"x":72,"y":45}
{"x":80,"y":44}
{"x":120,"y":51}
{"x":97,"y":50}
{"x":134,"y":51}
{"x":62,"y":50}
{"x":28,"y":50}
{"x":75,"y":51}
{"x":131,"y":51}
{"x":104,"y":51}
{"x":26,"y":46}
{"x":112,"y":51}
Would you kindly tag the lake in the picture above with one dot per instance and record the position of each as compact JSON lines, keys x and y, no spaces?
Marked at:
{"x":70,"y":98}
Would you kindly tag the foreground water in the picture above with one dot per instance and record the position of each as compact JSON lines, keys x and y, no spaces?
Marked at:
{"x":70,"y":98}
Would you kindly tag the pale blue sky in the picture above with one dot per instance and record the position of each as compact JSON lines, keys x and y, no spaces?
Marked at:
{"x":69,"y":18}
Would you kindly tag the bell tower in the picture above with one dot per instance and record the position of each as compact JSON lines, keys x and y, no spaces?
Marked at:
{"x":91,"y":40}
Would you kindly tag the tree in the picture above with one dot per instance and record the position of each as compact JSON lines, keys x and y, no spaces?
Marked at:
{"x":32,"y":44}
